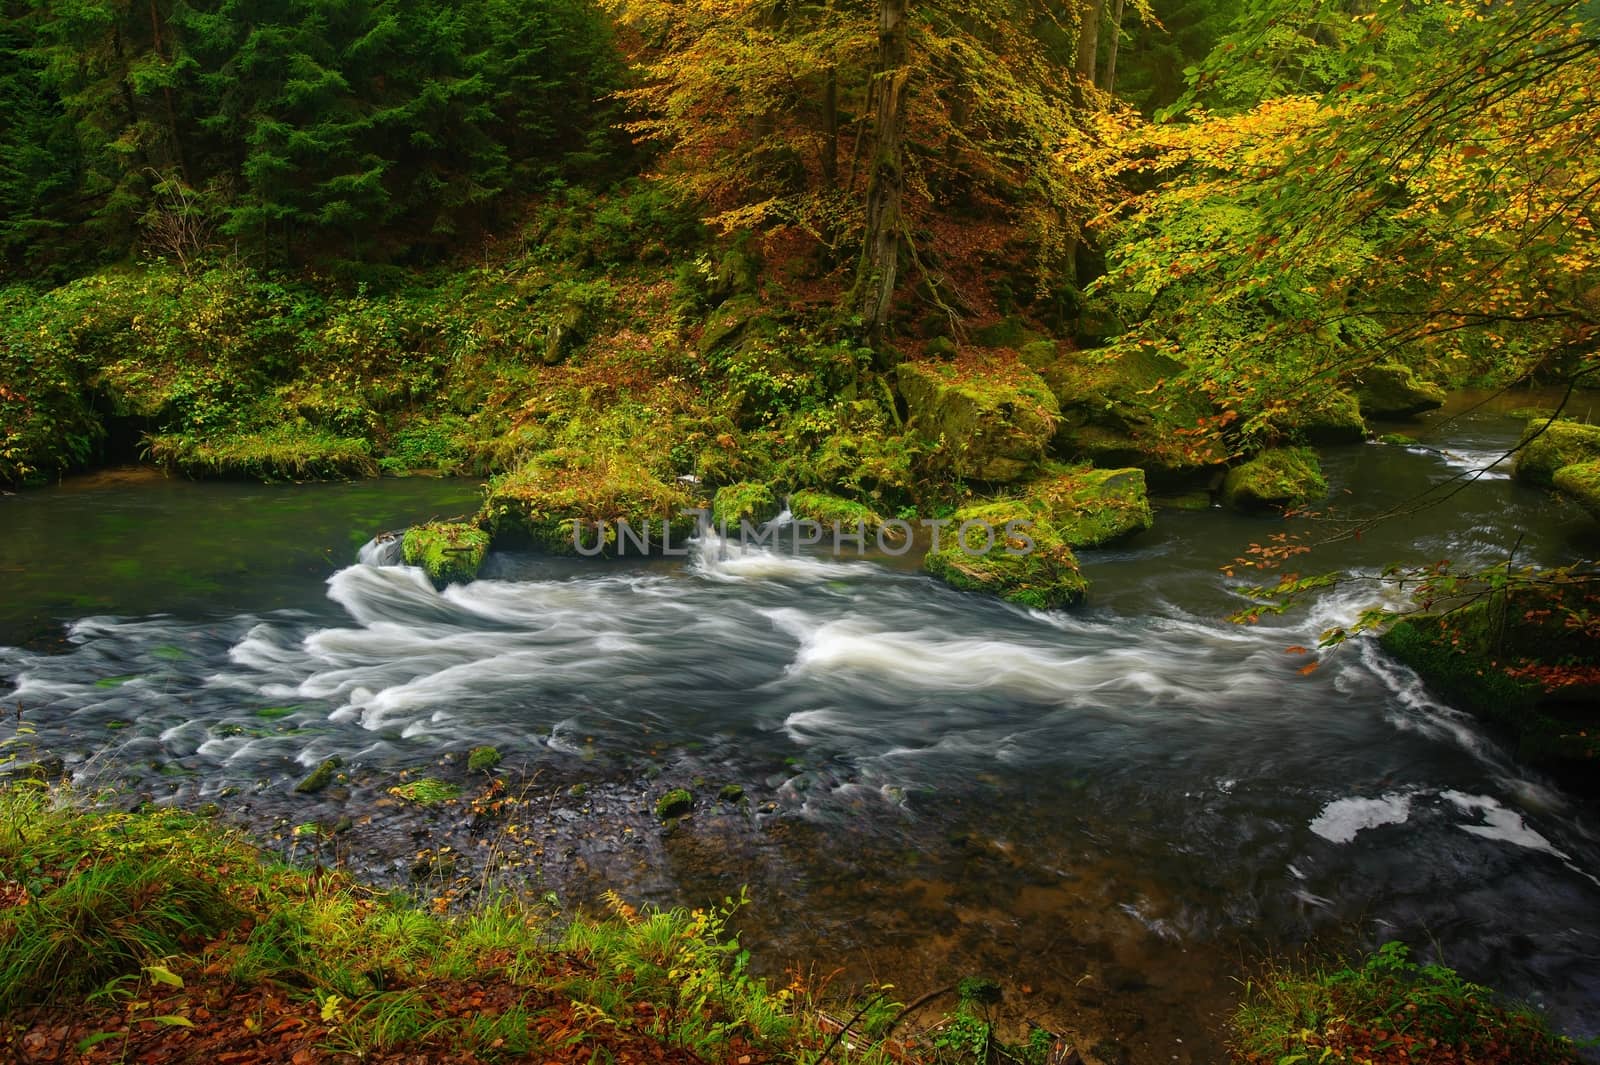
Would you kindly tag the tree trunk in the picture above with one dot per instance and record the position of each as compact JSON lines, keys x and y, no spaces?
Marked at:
{"x":830,"y":130}
{"x":166,"y":92}
{"x":880,"y":251}
{"x":1089,"y":14}
{"x":1108,"y":79}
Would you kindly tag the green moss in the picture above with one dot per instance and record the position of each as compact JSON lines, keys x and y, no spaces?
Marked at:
{"x":1088,"y":507}
{"x":1331,"y":418}
{"x":1278,"y":477}
{"x":826,"y":510}
{"x":1390,"y":390}
{"x":287,"y":452}
{"x":1581,"y":481}
{"x":674,"y":803}
{"x":1042,"y":572}
{"x":320,"y":777}
{"x":1548,"y":446}
{"x":986,"y":421}
{"x":482,"y":759}
{"x":730,"y":793}
{"x":746,"y":501}
{"x":450,"y":552}
{"x":1119,"y":408}
{"x":542,"y":499}
{"x":425,"y":791}
{"x":1397,"y":439}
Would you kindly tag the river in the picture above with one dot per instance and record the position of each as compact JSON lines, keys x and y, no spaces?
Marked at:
{"x":1117,"y":807}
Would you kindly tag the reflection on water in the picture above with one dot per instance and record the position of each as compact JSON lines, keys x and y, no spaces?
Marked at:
{"x":1110,"y":804}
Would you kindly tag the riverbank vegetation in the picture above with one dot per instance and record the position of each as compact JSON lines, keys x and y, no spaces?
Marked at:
{"x":159,"y":935}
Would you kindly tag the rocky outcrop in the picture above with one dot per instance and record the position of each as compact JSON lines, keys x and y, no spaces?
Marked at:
{"x":1120,"y":410}
{"x":985,"y":420}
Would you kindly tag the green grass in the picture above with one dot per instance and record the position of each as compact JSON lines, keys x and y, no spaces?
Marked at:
{"x":1386,"y":1009}
{"x":118,"y":925}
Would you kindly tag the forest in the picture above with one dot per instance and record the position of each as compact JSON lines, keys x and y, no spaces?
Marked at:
{"x":1275,"y":323}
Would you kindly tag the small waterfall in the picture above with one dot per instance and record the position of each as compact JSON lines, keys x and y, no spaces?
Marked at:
{"x":382,"y":550}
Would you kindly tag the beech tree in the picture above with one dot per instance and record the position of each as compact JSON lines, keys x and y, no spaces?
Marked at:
{"x":862,"y":125}
{"x":1440,"y":215}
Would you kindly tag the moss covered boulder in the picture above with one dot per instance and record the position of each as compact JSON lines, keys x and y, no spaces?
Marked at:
{"x":1390,"y":390}
{"x":1006,"y":552}
{"x":1020,"y":548}
{"x":1333,"y":418}
{"x":560,"y":498}
{"x":827,"y":510}
{"x":985,"y":419}
{"x":745,"y":501}
{"x":1121,"y":409}
{"x":1581,"y":481}
{"x":449,"y":552}
{"x":1548,"y":446}
{"x":1087,"y":507}
{"x":1276,"y":478}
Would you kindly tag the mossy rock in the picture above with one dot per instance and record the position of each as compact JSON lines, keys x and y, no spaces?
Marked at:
{"x":1390,"y":390}
{"x":449,"y":552}
{"x":746,"y":501}
{"x":1185,"y":501}
{"x":732,"y":323}
{"x":482,"y":759}
{"x":1118,"y":409}
{"x":556,"y":497}
{"x":1276,"y":478}
{"x":1397,"y":440}
{"x":1088,"y":507}
{"x":1008,"y":332}
{"x":826,"y":510}
{"x":987,"y":421}
{"x":320,"y":777}
{"x":1032,"y":567}
{"x":674,"y":803}
{"x":1548,"y":446}
{"x":1581,"y":481}
{"x":1333,"y":418}
{"x":731,"y":793}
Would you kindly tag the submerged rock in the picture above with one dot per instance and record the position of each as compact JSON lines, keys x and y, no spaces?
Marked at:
{"x":1548,"y":446}
{"x":1278,"y":477}
{"x":320,"y":777}
{"x":449,"y":552}
{"x":1581,"y":481}
{"x":560,"y":498}
{"x":987,"y":420}
{"x":1390,"y":390}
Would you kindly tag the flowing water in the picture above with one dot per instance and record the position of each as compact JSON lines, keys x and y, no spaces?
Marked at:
{"x":1114,"y":806}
